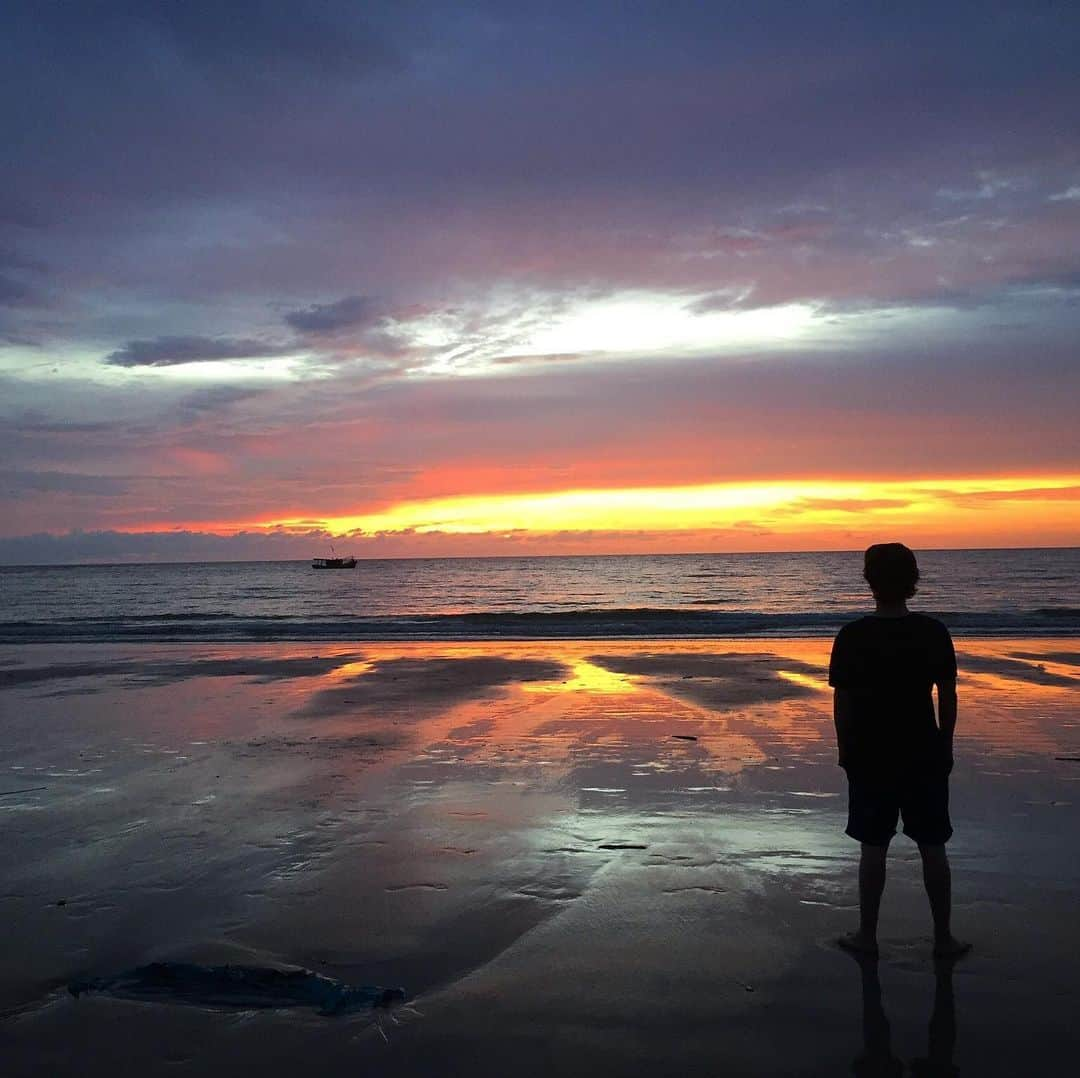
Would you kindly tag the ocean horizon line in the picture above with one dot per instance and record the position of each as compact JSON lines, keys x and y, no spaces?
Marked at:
{"x":130,"y":562}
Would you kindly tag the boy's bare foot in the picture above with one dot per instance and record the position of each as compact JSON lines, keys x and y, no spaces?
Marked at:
{"x":858,"y":944}
{"x":950,"y":947}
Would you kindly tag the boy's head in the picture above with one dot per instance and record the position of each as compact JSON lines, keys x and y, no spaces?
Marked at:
{"x":891,"y":571}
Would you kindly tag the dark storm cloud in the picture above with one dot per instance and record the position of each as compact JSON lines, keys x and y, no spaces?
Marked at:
{"x":349,"y":313}
{"x":172,"y":351}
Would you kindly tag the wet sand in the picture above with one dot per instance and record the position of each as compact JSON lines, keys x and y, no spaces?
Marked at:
{"x":595,"y":857}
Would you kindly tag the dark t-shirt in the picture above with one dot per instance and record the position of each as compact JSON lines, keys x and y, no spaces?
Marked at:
{"x":890,"y":666}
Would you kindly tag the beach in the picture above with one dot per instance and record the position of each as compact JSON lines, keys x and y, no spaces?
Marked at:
{"x":575,"y":857}
{"x":444,"y":449}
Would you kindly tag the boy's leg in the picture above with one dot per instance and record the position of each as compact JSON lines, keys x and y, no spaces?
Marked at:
{"x":937,"y":878}
{"x":873,"y":809}
{"x":871,"y":886}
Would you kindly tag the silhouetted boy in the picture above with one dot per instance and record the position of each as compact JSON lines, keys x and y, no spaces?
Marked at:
{"x":897,"y":757}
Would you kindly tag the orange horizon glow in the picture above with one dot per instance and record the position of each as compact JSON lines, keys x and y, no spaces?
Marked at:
{"x":804,"y":513}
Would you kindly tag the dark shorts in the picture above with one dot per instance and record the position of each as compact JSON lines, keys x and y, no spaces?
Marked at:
{"x":875,"y":805}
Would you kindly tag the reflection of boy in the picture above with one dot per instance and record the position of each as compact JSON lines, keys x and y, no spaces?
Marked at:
{"x":884,"y":668}
{"x":876,"y":1059}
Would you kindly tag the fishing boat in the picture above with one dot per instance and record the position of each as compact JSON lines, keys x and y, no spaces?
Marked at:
{"x":333,"y":562}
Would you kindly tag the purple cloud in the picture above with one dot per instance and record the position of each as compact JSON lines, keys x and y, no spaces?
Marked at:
{"x":353,"y":312}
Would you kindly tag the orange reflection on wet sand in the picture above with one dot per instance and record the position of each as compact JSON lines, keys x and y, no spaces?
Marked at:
{"x":719,"y":705}
{"x":612,"y":721}
{"x":653,"y":699}
{"x":587,"y":677}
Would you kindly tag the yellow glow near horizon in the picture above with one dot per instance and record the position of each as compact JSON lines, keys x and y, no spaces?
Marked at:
{"x":789,"y":506}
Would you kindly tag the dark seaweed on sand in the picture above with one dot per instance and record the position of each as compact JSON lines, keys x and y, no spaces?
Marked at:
{"x":238,"y":986}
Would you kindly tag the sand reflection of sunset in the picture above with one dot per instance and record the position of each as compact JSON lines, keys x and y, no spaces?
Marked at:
{"x":587,"y":678}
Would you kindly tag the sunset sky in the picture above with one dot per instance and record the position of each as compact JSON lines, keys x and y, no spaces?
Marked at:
{"x":494,"y":278}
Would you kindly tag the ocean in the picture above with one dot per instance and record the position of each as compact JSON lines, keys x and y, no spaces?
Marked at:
{"x":976,"y":592}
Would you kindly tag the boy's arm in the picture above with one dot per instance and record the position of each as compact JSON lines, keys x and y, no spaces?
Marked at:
{"x":843,"y":713}
{"x":946,"y":709}
{"x":946,"y":697}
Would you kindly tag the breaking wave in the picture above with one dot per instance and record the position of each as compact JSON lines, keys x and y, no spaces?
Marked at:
{"x":639,"y":622}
